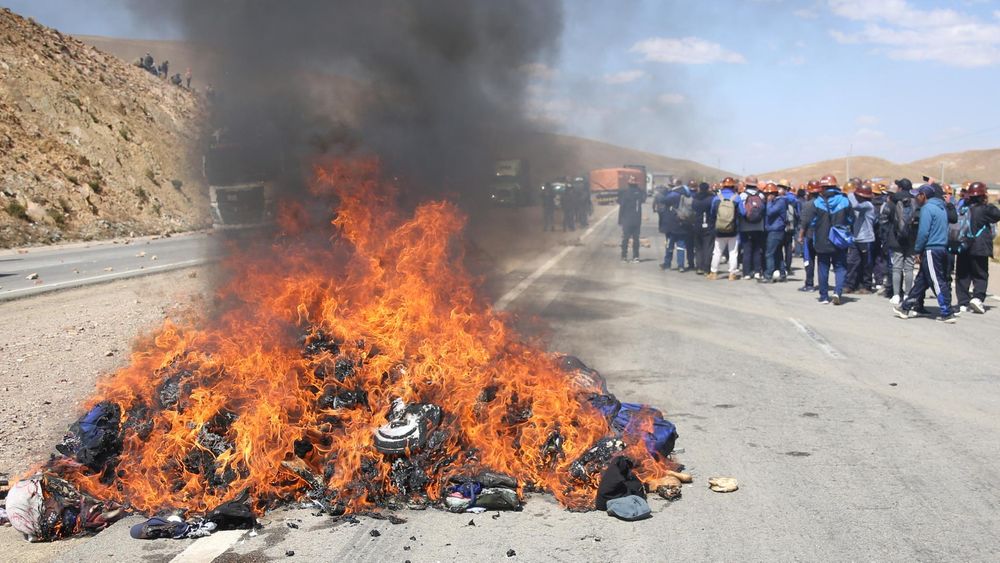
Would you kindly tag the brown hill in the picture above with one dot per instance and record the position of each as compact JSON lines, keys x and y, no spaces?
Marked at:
{"x":958,"y":167}
{"x":92,"y":146}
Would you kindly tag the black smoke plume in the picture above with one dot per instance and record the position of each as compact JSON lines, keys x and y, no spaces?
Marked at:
{"x":435,"y":88}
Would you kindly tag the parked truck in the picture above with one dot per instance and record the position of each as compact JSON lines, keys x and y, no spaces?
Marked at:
{"x":605,"y":183}
{"x":511,"y":183}
{"x":645,"y":180}
{"x":240,"y":186}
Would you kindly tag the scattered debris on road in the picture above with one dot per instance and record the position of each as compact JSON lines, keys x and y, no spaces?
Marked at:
{"x":32,"y":276}
{"x":723,"y":484}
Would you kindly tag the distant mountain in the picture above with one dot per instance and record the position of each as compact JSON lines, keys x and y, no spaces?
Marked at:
{"x":959,"y":167}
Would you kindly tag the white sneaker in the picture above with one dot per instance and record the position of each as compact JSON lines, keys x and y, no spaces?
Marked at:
{"x":775,"y":276}
{"x":895,"y":300}
{"x":977,"y":306}
{"x":962,"y":309}
{"x":757,"y":276}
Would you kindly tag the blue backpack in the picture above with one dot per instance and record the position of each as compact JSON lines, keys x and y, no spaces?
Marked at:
{"x":659,"y":442}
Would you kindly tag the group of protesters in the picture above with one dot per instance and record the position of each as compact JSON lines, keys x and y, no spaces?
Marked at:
{"x":572,"y":198}
{"x":162,"y":70}
{"x":871,"y":233}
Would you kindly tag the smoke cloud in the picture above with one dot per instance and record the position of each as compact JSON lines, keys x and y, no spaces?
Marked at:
{"x":435,"y":88}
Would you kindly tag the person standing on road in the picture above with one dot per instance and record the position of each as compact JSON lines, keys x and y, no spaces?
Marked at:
{"x":776,"y":212}
{"x":973,"y":268}
{"x":832,"y":211}
{"x":704,"y":228}
{"x":548,"y":208}
{"x":931,"y":244}
{"x":630,"y":202}
{"x":678,"y":219}
{"x":187,"y":77}
{"x":806,"y":233}
{"x":726,"y":213}
{"x":568,"y":203}
{"x":859,"y":256}
{"x":791,"y":223}
{"x":752,"y":235}
{"x":899,"y":218}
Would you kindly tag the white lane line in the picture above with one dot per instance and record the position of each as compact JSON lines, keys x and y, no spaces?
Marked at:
{"x":206,"y":549}
{"x":518,"y":289}
{"x":112,"y":275}
{"x":817,"y":339}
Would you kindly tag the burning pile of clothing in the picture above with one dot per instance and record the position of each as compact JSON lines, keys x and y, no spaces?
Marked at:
{"x":357,"y":373}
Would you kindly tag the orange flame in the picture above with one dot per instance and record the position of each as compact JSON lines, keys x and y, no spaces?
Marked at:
{"x":217,"y":403}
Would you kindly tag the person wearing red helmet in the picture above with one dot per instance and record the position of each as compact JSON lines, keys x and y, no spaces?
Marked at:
{"x":726,"y":214}
{"x":859,"y":256}
{"x":752,"y":234}
{"x":831,"y":238}
{"x":806,"y":231}
{"x":775,"y":215}
{"x":973,"y":266}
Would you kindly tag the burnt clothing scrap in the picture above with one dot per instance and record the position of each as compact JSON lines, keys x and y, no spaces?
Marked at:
{"x":96,"y":437}
{"x":618,"y":481}
{"x":45,"y":507}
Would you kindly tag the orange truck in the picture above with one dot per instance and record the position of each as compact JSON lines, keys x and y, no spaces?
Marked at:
{"x":605,"y":182}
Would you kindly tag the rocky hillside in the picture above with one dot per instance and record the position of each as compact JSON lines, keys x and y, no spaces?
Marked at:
{"x":90,"y":146}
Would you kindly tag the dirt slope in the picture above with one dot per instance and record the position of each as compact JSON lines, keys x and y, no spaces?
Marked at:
{"x":90,"y":146}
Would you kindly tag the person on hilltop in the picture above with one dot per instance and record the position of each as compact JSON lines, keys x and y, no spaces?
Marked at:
{"x":806,"y":232}
{"x":973,"y":268}
{"x":630,"y":202}
{"x":931,"y":244}
{"x":704,"y":228}
{"x":725,"y":209}
{"x":752,"y":235}
{"x":830,"y":222}
{"x":775,"y":215}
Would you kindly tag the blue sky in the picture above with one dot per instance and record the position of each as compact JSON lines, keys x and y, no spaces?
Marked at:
{"x":748,"y":85}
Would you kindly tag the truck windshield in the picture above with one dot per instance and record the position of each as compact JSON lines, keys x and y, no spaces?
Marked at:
{"x":230,"y":165}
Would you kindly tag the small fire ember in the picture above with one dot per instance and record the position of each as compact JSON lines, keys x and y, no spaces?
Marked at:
{"x":359,"y":370}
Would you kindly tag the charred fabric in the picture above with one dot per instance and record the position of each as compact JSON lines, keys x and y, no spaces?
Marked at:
{"x":45,"y":506}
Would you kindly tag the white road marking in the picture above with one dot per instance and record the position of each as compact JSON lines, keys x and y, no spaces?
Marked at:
{"x":817,"y":339}
{"x":206,"y":549}
{"x":518,"y":289}
{"x":112,"y":275}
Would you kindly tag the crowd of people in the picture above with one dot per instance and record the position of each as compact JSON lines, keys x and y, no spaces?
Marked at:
{"x":570,"y":197}
{"x":871,"y":233}
{"x":162,"y":70}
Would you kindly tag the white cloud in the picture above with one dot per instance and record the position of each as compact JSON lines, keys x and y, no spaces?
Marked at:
{"x":867,"y":120}
{"x":905,"y":32}
{"x":869,"y":134}
{"x":623,"y":77}
{"x":794,"y":60}
{"x":806,"y":13}
{"x":685,"y":50}
{"x":671,"y":99}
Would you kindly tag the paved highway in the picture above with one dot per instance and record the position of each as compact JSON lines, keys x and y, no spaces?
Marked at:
{"x":854,"y":435}
{"x":31,"y":271}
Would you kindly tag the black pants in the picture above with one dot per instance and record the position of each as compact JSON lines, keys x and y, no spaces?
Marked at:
{"x":630,"y":232}
{"x":704,"y":244}
{"x":788,"y":248}
{"x":933,"y":275}
{"x":809,"y":260}
{"x":974,"y":272}
{"x":753,"y":252}
{"x":859,"y":266}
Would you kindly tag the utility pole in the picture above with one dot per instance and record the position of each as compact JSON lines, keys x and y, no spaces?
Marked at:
{"x":942,"y":172}
{"x":850,"y":150}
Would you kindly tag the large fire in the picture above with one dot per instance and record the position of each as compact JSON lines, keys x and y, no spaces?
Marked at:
{"x":309,"y":343}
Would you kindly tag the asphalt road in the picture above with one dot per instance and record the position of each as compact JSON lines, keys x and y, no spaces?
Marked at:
{"x":32,"y":271}
{"x":854,"y":435}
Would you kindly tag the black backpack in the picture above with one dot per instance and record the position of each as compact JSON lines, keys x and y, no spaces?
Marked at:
{"x":903,"y":224}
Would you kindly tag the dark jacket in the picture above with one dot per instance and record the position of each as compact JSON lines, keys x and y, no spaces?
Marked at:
{"x":981,"y":219}
{"x":745,"y":224}
{"x":668,"y":202}
{"x":704,"y":212}
{"x":775,"y":213}
{"x":630,"y":202}
{"x":807,"y":213}
{"x":832,"y":208}
{"x":888,"y":217}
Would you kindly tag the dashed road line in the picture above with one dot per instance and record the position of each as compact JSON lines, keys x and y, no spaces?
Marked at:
{"x":817,"y":339}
